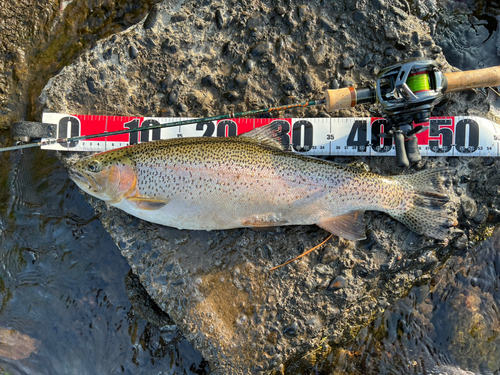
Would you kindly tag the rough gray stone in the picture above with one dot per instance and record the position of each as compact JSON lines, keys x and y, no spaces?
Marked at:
{"x":481,"y":215}
{"x":261,"y":49}
{"x":216,"y":286}
{"x":39,"y":37}
{"x":469,"y":206}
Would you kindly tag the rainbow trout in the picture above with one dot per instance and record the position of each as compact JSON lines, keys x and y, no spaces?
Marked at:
{"x":251,"y":181}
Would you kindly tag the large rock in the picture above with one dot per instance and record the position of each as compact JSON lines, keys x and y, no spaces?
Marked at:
{"x":39,"y":37}
{"x":207,"y":58}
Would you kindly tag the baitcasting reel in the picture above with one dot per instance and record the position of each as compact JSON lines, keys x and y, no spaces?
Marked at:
{"x":407,"y":93}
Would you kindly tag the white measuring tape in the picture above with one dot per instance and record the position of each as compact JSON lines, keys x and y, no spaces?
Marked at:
{"x":446,"y":136}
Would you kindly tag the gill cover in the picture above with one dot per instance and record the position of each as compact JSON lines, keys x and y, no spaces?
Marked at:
{"x":106,"y":181}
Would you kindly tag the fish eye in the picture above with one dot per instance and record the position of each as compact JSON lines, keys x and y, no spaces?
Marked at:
{"x":94,"y":166}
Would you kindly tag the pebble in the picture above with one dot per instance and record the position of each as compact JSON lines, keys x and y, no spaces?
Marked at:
{"x":169,"y":81}
{"x":151,"y":19}
{"x":291,"y":330}
{"x":461,"y":242}
{"x":207,"y":81}
{"x":322,"y":283}
{"x":280,"y":44}
{"x":436,"y":49}
{"x":366,"y":60}
{"x":172,"y":98}
{"x":150,"y":43}
{"x":169,"y":46}
{"x":347,"y":62}
{"x":254,"y":21}
{"x":309,"y":80}
{"x":417,"y":53}
{"x":179,"y":17}
{"x":182,"y":108}
{"x":132,"y":51}
{"x":481,"y":215}
{"x":261,"y":49}
{"x":232,"y":96}
{"x":241,"y":80}
{"x":169,"y":113}
{"x":415,"y":38}
{"x":241,"y":319}
{"x":391,"y":32}
{"x":249,"y":64}
{"x":314,"y":323}
{"x":337,"y":283}
{"x":91,"y":85}
{"x":107,"y":55}
{"x":305,"y":13}
{"x":289,"y":86}
{"x":469,"y":207}
{"x":329,"y":255}
{"x":400,"y":46}
{"x":219,"y":18}
{"x":327,"y":25}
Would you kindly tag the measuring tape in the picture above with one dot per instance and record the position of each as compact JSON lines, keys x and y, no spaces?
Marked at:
{"x":446,"y":136}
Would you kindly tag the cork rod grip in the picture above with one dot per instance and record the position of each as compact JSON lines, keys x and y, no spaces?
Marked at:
{"x":340,"y":98}
{"x":471,"y":79}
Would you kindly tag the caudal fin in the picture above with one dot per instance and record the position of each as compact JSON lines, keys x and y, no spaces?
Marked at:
{"x":429,"y":214}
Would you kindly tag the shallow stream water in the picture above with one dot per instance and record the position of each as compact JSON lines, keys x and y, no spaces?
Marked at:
{"x":62,"y":282}
{"x":62,"y":279}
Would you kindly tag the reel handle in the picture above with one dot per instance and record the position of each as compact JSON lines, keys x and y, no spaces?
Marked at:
{"x":412,"y":150}
{"x":472,"y":79}
{"x":399,"y":142}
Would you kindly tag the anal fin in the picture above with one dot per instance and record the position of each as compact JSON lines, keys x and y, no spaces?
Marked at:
{"x":349,"y":226}
{"x":146,"y":203}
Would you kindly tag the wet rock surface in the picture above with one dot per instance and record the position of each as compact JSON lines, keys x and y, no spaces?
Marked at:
{"x":38,"y":38}
{"x":194,"y":59}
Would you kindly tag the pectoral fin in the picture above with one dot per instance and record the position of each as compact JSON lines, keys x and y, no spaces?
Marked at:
{"x":263,"y":221}
{"x":148,"y":203}
{"x":349,"y":226}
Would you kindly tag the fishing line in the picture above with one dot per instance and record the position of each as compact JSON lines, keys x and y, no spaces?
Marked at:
{"x":168,"y":125}
{"x":418,"y":82}
{"x":303,"y":254}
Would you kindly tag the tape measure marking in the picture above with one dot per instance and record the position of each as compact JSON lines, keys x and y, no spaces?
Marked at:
{"x":446,"y":136}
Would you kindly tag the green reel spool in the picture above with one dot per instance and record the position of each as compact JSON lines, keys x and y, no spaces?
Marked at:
{"x":419,"y":82}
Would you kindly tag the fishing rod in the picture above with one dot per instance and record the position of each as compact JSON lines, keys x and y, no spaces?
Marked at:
{"x":152,"y":127}
{"x":405,"y":92}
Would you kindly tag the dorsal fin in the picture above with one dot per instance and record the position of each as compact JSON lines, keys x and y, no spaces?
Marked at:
{"x":270,"y":135}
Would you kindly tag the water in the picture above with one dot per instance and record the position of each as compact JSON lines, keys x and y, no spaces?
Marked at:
{"x":62,"y":278}
{"x":62,"y":282}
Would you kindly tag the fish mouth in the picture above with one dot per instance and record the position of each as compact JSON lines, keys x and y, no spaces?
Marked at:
{"x":84,"y":181}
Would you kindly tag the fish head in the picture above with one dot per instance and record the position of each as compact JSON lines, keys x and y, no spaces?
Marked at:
{"x":106,"y":176}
